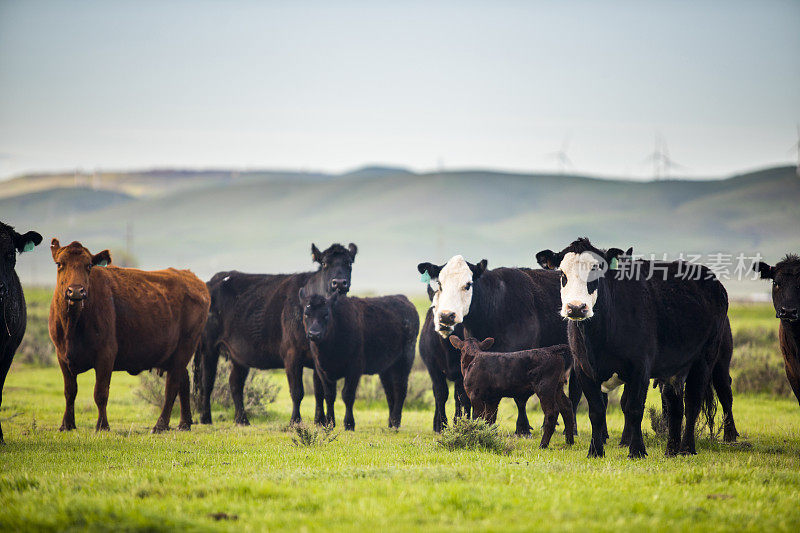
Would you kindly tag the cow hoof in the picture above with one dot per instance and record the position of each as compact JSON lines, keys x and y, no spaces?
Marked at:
{"x":105,"y":427}
{"x":158,"y":428}
{"x":595,"y":451}
{"x":205,"y":419}
{"x":570,"y":440}
{"x":242,"y":421}
{"x":637,"y":453}
{"x":65,"y":427}
{"x":183,"y":426}
{"x":688,"y":452}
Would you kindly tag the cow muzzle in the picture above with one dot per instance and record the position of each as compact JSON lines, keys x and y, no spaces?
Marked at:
{"x":577,"y":311}
{"x":787,"y":313}
{"x":314,"y":336}
{"x":75,"y":294}
{"x":342,"y":286}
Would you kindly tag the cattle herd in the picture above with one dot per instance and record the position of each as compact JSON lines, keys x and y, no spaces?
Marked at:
{"x":591,"y":318}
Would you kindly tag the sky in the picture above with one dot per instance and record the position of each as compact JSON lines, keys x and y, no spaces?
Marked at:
{"x":331,"y":86}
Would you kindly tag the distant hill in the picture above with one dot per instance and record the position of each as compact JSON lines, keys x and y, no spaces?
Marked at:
{"x":265,"y":221}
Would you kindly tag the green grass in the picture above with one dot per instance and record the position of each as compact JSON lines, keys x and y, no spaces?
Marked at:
{"x":225,"y":477}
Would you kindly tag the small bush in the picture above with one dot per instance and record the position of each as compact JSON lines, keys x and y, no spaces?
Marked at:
{"x":759,"y":370}
{"x":468,"y":434}
{"x":658,"y":422}
{"x":305,"y":437}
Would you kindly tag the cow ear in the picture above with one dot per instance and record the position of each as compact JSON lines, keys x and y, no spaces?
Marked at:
{"x":547,"y":259}
{"x":629,"y":252}
{"x":316,"y":255}
{"x":456,"y":342}
{"x":102,"y":259}
{"x":26,"y":243}
{"x":353,"y":249}
{"x":486,"y":344}
{"x":55,"y":246}
{"x":612,"y":255}
{"x":478,"y":269}
{"x":764,"y":270}
{"x":432,"y":270}
{"x":301,"y":294}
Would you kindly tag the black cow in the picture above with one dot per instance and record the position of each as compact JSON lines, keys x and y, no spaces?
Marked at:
{"x":653,"y":321}
{"x":354,"y":336}
{"x":13,"y":312}
{"x":258,"y":320}
{"x":785,"y":278}
{"x":443,"y":364}
{"x":512,"y":305}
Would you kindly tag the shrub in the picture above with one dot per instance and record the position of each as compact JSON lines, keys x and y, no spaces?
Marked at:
{"x":313,"y":437}
{"x":759,"y":370}
{"x":658,"y":422}
{"x":469,"y":434}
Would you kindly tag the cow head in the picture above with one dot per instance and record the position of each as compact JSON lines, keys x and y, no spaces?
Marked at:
{"x":335,"y":268}
{"x":74,"y":264}
{"x":12,"y":243}
{"x":317,"y":314}
{"x":785,"y":278}
{"x":582,"y":268}
{"x":470,"y":348}
{"x":454,"y":288}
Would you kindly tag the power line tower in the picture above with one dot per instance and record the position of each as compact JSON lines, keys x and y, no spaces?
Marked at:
{"x":661,"y":160}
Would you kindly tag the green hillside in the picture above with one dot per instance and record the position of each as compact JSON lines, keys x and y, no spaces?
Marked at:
{"x":266,"y":221}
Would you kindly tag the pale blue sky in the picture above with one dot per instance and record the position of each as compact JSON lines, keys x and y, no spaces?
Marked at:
{"x":335,"y":85}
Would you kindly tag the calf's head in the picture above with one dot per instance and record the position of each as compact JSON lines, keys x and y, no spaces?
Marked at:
{"x":335,"y":268}
{"x":11,"y":244}
{"x":470,"y":348}
{"x":455,"y":282}
{"x":317,"y":314}
{"x":74,"y":264}
{"x":582,"y":268}
{"x":785,"y":278}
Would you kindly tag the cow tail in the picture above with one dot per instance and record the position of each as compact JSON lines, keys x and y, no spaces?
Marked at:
{"x":709,"y":406}
{"x":197,"y":368}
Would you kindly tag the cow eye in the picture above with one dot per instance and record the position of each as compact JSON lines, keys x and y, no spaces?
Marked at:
{"x":775,"y":285}
{"x":563,"y":280}
{"x":59,"y":265}
{"x":468,"y":286}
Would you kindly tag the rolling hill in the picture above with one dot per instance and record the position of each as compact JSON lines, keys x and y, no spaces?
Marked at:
{"x":265,"y":221}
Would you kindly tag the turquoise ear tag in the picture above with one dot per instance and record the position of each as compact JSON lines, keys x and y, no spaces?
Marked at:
{"x":102,"y":263}
{"x":426,"y":278}
{"x":614,"y":264}
{"x":28,"y":246}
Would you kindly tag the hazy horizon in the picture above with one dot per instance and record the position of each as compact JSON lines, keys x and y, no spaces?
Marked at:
{"x":330,"y":87}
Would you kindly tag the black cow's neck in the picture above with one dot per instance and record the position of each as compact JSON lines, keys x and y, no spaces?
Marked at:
{"x":481,"y":317}
{"x":594,"y":330}
{"x":792,"y":335}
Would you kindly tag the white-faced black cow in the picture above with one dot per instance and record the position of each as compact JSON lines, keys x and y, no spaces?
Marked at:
{"x":512,"y":305}
{"x":443,"y":362}
{"x":785,"y":278}
{"x":258,"y":319}
{"x":13,"y":312}
{"x":653,"y":322}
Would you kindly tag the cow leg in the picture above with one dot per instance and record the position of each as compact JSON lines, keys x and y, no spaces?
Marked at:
{"x":102,"y":382}
{"x":565,"y":408}
{"x":721,"y":379}
{"x":349,"y":397}
{"x":70,"y":392}
{"x":597,"y":414}
{"x":634,"y":412}
{"x":523,"y":426}
{"x":294,"y":375}
{"x":319,"y":400}
{"x":490,"y":411}
{"x":210,"y":359}
{"x":236,"y":382}
{"x":547,"y":401}
{"x":672,"y":405}
{"x":575,"y":394}
{"x":184,"y":393}
{"x":464,"y":399}
{"x":5,"y":365}
{"x":440,"y":393}
{"x":605,"y":422}
{"x":170,"y":392}
{"x":625,"y":439}
{"x":400,"y":386}
{"x":696,"y":383}
{"x":329,"y":390}
{"x":388,"y":390}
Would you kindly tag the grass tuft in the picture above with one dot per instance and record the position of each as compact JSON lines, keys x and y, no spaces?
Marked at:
{"x":466,"y":434}
{"x":307,"y":437}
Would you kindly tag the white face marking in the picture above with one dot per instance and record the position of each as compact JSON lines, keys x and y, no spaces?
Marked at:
{"x":454,"y":295}
{"x":579,"y":269}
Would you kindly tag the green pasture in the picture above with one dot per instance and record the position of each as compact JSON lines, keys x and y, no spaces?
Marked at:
{"x":223,"y":477}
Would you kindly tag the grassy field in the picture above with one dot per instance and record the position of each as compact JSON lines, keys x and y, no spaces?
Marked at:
{"x":256,"y":478}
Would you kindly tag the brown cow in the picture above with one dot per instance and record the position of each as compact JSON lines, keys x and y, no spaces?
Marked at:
{"x":124,"y":319}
